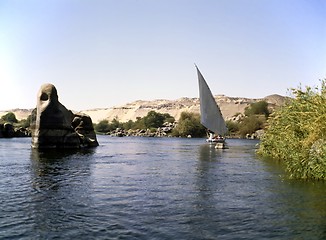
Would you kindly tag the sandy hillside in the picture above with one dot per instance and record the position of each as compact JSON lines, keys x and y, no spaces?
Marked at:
{"x":229,"y":106}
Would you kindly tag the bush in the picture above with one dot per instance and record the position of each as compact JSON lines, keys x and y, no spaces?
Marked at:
{"x":25,"y":123}
{"x":9,"y":117}
{"x":128,"y":125}
{"x":251,"y":124}
{"x":139,"y":124}
{"x":296,"y":134}
{"x":255,"y":118}
{"x":155,"y":120}
{"x":258,"y":108}
{"x":168,"y":118}
{"x":102,"y":127}
{"x":233,"y":127}
{"x":114,"y":124}
{"x":189,"y":124}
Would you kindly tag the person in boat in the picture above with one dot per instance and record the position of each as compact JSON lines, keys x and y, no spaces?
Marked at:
{"x":219,"y":137}
{"x":210,"y":134}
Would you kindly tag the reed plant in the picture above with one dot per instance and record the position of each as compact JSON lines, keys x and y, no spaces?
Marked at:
{"x":296,"y":134}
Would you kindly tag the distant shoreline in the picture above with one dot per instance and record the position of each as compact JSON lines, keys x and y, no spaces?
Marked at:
{"x":139,"y":108}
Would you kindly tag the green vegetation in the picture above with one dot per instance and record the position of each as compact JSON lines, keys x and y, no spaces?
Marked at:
{"x":250,"y":124}
{"x":258,"y":108}
{"x":11,"y":127}
{"x":233,"y":127}
{"x":25,"y":123}
{"x":296,"y":134}
{"x":152,"y":121}
{"x":9,"y":117}
{"x":102,"y":127}
{"x":255,"y":117}
{"x":155,"y":120}
{"x":189,"y":124}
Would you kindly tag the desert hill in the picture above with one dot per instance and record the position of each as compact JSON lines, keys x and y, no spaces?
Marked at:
{"x":230,"y":106}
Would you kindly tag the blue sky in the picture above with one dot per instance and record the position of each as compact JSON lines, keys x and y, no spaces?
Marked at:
{"x":104,"y":53}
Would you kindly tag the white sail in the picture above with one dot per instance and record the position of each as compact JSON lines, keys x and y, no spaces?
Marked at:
{"x":211,"y":116}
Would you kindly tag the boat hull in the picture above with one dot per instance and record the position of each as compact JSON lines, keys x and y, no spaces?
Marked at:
{"x":215,"y":140}
{"x":221,"y":145}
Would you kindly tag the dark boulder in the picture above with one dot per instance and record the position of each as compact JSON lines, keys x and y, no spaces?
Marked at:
{"x":83,"y":126}
{"x":54,"y":126}
{"x":22,"y":132}
{"x":7,"y":130}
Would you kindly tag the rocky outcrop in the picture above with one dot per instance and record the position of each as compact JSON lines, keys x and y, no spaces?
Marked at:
{"x":162,"y":131}
{"x":83,"y":126}
{"x":7,"y":130}
{"x":54,"y":126}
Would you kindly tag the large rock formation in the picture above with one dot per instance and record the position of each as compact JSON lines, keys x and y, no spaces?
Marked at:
{"x":54,"y":126}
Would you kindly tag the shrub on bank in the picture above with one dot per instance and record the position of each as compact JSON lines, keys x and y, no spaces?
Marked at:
{"x":257,"y":108}
{"x":9,"y":117}
{"x":254,"y":118}
{"x":102,"y":127}
{"x":189,"y":125}
{"x":296,"y":134}
{"x":233,"y":127}
{"x":251,"y":124}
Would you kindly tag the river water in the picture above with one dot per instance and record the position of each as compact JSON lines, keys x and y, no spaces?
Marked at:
{"x":153,"y":188}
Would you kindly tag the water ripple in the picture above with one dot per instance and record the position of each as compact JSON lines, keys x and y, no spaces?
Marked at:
{"x":145,"y":188}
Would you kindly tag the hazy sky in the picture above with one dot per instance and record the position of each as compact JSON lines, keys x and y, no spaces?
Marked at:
{"x":104,"y":53}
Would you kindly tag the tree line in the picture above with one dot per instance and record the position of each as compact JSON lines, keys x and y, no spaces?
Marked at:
{"x":188,"y":124}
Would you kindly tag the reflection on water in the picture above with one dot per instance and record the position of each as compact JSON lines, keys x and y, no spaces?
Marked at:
{"x":207,"y":152}
{"x":61,"y":200}
{"x":52,"y":167}
{"x":145,"y":188}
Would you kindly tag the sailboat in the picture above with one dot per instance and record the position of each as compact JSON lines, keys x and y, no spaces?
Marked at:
{"x":210,"y":114}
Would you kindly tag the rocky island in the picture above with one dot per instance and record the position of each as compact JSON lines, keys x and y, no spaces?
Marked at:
{"x":54,"y":126}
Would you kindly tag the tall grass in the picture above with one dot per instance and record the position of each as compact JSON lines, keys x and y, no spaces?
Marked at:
{"x":296,"y":134}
